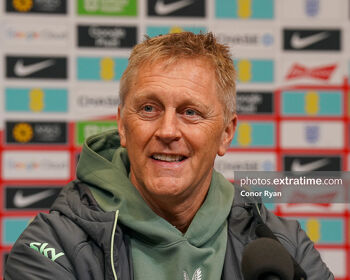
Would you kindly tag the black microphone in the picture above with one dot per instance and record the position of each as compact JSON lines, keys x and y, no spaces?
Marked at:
{"x":266,"y":259}
{"x":262,"y":230}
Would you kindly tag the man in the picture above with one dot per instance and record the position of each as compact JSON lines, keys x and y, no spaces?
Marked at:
{"x":147,"y":203}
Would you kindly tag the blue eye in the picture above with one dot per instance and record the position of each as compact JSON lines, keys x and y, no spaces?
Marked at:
{"x":148,"y":108}
{"x":190,"y":112}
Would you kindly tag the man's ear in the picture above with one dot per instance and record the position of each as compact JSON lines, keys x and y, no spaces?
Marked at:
{"x":121,"y":128}
{"x":227,"y":135}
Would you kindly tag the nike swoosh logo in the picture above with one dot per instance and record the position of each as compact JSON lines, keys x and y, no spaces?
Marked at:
{"x":307,"y":167}
{"x":164,"y":9}
{"x":25,"y":70}
{"x":21,"y":201}
{"x":300,"y":43}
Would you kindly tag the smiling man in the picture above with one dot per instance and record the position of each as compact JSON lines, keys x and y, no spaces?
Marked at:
{"x":147,"y":203}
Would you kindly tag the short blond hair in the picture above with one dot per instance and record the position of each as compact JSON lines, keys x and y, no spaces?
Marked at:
{"x":185,"y":45}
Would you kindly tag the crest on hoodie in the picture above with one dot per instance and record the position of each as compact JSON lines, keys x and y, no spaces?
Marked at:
{"x":197,"y":275}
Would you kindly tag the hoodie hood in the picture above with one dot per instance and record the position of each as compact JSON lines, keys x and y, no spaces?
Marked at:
{"x":104,"y":166}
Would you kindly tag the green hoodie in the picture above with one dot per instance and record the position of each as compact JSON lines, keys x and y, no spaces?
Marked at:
{"x":159,"y":250}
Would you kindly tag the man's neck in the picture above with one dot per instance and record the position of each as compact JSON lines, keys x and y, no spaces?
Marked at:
{"x":178,"y":210}
{"x":179,"y":213}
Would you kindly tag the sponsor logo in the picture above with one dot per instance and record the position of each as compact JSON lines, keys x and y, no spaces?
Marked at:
{"x":312,"y":71}
{"x":37,"y":6}
{"x":244,"y":9}
{"x":254,"y":134}
{"x":297,"y":42}
{"x":319,"y":73}
{"x":312,"y":163}
{"x":312,"y":103}
{"x":312,"y":7}
{"x":101,"y":68}
{"x":87,"y":129}
{"x":30,"y":67}
{"x":255,"y":70}
{"x":25,"y":70}
{"x":12,"y":229}
{"x":29,"y":34}
{"x":312,"y":39}
{"x":158,"y":30}
{"x":23,"y":201}
{"x":180,"y":8}
{"x":88,"y":104}
{"x":312,"y":135}
{"x":164,"y":9}
{"x":36,"y":132}
{"x":252,"y":39}
{"x":197,"y":275}
{"x":30,"y":197}
{"x":244,"y":161}
{"x":46,"y":165}
{"x":107,"y":7}
{"x":106,"y":36}
{"x":47,"y":252}
{"x":36,"y":100}
{"x":322,"y":200}
{"x":318,"y":230}
{"x":250,"y":102}
{"x":108,"y":102}
{"x":307,"y":167}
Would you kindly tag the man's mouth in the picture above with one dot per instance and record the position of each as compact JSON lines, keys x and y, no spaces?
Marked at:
{"x":168,"y":158}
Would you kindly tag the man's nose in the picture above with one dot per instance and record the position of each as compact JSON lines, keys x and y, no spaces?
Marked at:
{"x":168,"y":129}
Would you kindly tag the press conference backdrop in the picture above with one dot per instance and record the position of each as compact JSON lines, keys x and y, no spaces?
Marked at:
{"x":61,"y":62}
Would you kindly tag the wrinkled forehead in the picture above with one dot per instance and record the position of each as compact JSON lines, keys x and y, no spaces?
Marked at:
{"x":169,"y":66}
{"x":166,"y":63}
{"x":175,"y":68}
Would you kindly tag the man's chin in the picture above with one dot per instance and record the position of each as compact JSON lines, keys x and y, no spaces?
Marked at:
{"x":167,"y":186}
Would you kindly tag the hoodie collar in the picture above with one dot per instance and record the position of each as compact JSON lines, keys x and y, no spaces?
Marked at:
{"x":105,"y":166}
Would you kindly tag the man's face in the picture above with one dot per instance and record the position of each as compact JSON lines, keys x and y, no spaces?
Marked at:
{"x":172,"y":125}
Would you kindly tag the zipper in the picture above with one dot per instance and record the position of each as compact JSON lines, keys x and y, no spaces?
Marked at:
{"x":112,"y":243}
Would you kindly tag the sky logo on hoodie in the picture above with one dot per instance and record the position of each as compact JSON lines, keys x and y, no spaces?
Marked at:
{"x":36,"y":100}
{"x":100,"y":68}
{"x":324,"y":230}
{"x":245,"y":9}
{"x":158,"y":30}
{"x":254,"y":134}
{"x":312,"y":103}
{"x":12,"y":229}
{"x":254,"y":70}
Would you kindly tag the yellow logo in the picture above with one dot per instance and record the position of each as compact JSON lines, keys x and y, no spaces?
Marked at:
{"x":36,"y":100}
{"x":176,"y":29}
{"x":22,"y":5}
{"x":244,"y":70}
{"x":22,"y":132}
{"x":107,"y":68}
{"x":244,"y":8}
{"x":244,"y":134}
{"x":312,"y":105}
{"x":313,"y":229}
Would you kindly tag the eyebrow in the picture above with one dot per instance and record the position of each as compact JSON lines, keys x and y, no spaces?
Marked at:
{"x":153,"y":96}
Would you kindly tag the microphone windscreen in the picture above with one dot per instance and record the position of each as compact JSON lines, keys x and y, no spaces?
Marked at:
{"x":263,"y":231}
{"x":264,"y":258}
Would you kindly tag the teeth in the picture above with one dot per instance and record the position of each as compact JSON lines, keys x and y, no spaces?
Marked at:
{"x":169,"y":158}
